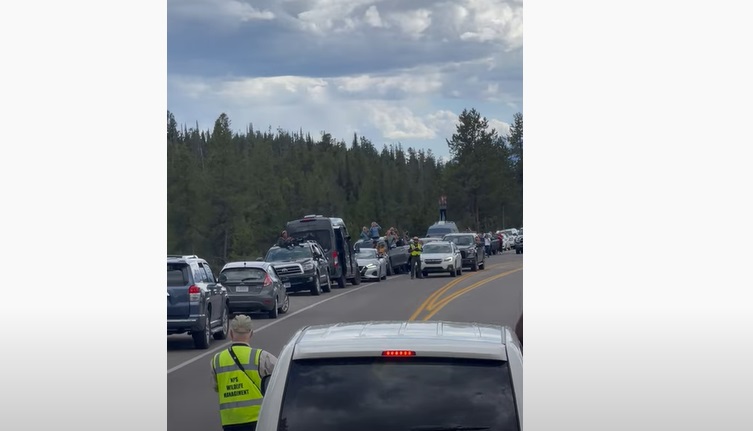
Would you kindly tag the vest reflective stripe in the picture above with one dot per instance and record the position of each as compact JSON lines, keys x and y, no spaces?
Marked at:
{"x":415,"y":250}
{"x":240,"y":399}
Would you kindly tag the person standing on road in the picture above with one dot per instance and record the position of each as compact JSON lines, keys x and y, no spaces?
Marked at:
{"x":415,"y":258}
{"x":237,"y":374}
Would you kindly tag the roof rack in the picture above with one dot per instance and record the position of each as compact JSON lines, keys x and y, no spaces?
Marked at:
{"x":178,"y":256}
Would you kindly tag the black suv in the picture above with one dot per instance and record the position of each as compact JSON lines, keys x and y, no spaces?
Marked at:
{"x":332,"y":235}
{"x":196,"y":303}
{"x":471,"y":251}
{"x":301,"y":266}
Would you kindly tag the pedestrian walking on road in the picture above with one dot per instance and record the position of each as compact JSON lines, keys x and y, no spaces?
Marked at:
{"x":237,"y":375}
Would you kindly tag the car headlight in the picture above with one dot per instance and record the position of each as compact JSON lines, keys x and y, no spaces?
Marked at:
{"x":308,"y":266}
{"x":371,"y":266}
{"x":448,"y":259}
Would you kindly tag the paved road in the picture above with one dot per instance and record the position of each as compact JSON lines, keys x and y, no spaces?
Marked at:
{"x":493,"y":295}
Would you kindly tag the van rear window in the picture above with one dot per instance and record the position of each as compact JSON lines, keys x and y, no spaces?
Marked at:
{"x":377,"y":394}
{"x":323,"y":237}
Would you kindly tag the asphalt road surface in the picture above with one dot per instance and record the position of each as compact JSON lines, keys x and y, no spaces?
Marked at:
{"x":493,"y":295}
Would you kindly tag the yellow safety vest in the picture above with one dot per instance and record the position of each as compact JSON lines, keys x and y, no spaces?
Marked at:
{"x":240,"y":399}
{"x":415,"y":250}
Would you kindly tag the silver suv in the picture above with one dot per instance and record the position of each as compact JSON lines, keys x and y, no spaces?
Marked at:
{"x":393,"y":375}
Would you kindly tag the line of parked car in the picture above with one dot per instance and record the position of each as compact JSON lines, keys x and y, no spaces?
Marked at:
{"x":320,"y":256}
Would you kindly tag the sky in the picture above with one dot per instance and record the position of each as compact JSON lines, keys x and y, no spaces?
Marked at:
{"x":392,"y":71}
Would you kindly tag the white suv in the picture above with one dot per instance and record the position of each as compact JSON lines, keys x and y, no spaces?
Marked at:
{"x":385,"y":375}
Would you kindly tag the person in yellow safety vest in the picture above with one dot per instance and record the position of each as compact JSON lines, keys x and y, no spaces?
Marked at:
{"x":415,"y":258}
{"x":237,"y":374}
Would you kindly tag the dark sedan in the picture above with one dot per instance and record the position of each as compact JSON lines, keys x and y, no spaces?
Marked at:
{"x":254,"y":287}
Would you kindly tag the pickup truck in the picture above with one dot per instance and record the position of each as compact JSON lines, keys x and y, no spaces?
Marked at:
{"x":398,"y":256}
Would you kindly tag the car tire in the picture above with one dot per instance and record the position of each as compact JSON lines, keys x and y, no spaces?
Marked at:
{"x":274,"y":311}
{"x":316,"y":290}
{"x":225,"y":326}
{"x":328,"y":285}
{"x":285,"y":305}
{"x":202,"y":339}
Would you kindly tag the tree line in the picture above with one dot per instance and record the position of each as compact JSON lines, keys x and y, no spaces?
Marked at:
{"x":230,"y":194}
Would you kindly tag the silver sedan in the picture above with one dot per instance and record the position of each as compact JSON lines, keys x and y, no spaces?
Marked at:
{"x":371,"y":265}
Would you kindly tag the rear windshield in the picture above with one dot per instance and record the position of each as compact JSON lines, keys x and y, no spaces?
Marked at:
{"x":392,"y":394}
{"x":461,"y":240}
{"x":323,"y":237}
{"x":437,"y":248}
{"x":438,"y":231}
{"x":177,"y":274}
{"x":243,"y":274}
{"x":366,"y":253}
{"x":293,"y":253}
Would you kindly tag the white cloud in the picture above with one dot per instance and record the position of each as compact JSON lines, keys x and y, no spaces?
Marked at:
{"x":390,"y":70}
{"x":412,"y":23}
{"x":372,"y":17}
{"x":224,"y":10}
{"x":502,"y":128}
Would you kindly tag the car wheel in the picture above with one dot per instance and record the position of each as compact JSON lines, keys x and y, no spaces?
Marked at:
{"x":274,"y":311}
{"x":317,"y":289}
{"x":328,"y":285}
{"x":202,"y":339}
{"x":225,"y":326}
{"x":285,"y":305}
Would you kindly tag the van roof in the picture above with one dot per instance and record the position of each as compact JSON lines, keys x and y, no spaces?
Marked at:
{"x":431,"y":338}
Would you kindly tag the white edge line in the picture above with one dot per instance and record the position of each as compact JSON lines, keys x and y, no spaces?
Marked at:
{"x":282,"y":319}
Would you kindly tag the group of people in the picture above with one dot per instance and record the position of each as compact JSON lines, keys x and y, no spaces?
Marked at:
{"x":392,"y":238}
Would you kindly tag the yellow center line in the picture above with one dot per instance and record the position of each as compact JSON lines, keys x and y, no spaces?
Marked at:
{"x":429,"y":303}
{"x":465,"y":290}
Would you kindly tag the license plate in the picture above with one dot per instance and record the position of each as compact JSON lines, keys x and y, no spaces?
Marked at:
{"x":241,"y":289}
{"x":286,"y":285}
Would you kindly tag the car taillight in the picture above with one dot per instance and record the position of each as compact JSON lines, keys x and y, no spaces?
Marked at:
{"x":334,"y":257}
{"x":398,"y":353}
{"x":194,"y":293}
{"x":267,"y":281}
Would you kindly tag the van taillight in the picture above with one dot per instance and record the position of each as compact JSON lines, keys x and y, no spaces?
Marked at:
{"x":267,"y":281}
{"x":334,"y":257}
{"x":194,"y":293}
